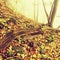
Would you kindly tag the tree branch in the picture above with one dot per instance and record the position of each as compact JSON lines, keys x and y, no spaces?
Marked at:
{"x":45,"y":9}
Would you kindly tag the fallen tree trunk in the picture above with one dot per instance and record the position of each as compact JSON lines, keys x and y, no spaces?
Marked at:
{"x":9,"y":37}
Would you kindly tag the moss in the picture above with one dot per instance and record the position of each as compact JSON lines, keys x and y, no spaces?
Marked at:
{"x":3,"y":21}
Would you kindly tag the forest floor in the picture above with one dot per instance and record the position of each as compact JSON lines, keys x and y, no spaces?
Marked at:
{"x":23,"y":39}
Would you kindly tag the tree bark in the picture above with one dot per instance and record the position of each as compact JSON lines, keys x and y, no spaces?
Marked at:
{"x":51,"y":16}
{"x":52,"y":13}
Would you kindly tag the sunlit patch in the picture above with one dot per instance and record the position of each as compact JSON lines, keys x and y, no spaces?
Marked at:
{"x":26,"y":7}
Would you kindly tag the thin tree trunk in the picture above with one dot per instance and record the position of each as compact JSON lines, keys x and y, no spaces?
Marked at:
{"x":52,"y":13}
{"x":36,"y":10}
{"x":51,"y":16}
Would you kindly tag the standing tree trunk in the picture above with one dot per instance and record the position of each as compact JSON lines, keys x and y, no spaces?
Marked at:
{"x":52,"y":13}
{"x":36,"y":10}
{"x":51,"y":16}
